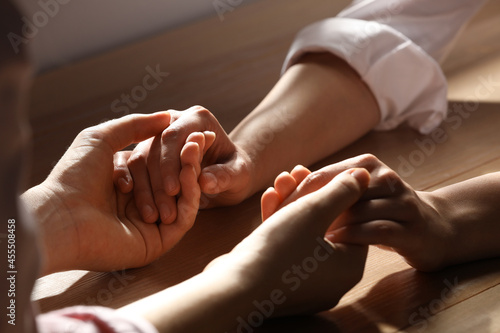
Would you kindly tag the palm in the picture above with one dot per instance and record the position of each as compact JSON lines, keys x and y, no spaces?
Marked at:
{"x":105,"y":223}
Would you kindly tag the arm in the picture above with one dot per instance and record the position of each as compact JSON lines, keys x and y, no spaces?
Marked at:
{"x":265,"y":274}
{"x":319,"y":106}
{"x":431,"y":230}
{"x":455,"y":224}
{"x":373,"y":66}
{"x":472,"y":211}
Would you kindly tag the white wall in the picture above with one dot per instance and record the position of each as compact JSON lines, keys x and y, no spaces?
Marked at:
{"x":68,"y":30}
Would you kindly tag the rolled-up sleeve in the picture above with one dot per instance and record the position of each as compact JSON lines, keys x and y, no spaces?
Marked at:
{"x":396,"y":47}
{"x":85,"y":319}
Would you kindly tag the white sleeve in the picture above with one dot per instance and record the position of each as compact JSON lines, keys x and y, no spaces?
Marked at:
{"x":396,"y":47}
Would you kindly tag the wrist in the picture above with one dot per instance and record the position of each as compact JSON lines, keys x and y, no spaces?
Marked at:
{"x":263,"y":161}
{"x":451,"y":242}
{"x":55,"y":242}
{"x":215,"y":300}
{"x":253,"y":161}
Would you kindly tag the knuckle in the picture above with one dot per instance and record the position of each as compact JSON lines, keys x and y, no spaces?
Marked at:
{"x":137,"y":159}
{"x":201,"y":111}
{"x":389,"y":175}
{"x":90,"y":134}
{"x":171,"y":133}
{"x":316,"y":180}
{"x":368,"y":160}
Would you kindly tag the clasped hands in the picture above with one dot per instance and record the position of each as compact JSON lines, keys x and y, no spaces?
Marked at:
{"x":106,"y":209}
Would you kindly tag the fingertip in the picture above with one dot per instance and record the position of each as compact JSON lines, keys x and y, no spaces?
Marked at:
{"x":171,"y":185}
{"x":300,"y":172}
{"x":217,"y":178}
{"x":209,"y":139}
{"x":165,"y":213}
{"x":149,"y":214}
{"x":208,"y":182}
{"x":125,"y":184}
{"x":270,"y":202}
{"x":190,"y":154}
{"x":163,"y":114}
{"x":361,"y":175}
{"x":285,"y":184}
{"x":300,"y":168}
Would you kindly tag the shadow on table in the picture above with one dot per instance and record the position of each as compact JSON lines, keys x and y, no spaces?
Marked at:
{"x":403,"y":301}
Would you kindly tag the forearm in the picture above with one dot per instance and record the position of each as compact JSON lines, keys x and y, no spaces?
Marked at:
{"x":319,"y":106}
{"x":472,"y":210}
{"x":208,"y":302}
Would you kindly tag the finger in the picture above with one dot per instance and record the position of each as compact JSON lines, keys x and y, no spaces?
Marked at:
{"x":402,"y":210}
{"x":209,"y":140}
{"x":190,"y":154}
{"x":310,"y":184}
{"x":217,"y":178}
{"x":165,"y":203}
{"x":143,"y":194}
{"x":199,"y":139}
{"x":188,"y":202}
{"x":300,"y":173}
{"x":284,"y":184}
{"x":119,"y":133}
{"x":380,"y":232}
{"x":285,"y":187}
{"x":316,"y":211}
{"x":121,"y":173}
{"x":385,"y":183}
{"x":173,"y":139}
{"x":269,"y":203}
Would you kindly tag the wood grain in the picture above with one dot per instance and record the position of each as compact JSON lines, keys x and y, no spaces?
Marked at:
{"x":228,"y":67}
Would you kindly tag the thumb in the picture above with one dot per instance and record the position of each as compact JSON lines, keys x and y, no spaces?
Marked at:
{"x":119,"y":133}
{"x":327,"y":203}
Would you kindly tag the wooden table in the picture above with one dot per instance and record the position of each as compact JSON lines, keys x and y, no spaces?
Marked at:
{"x":228,"y":66}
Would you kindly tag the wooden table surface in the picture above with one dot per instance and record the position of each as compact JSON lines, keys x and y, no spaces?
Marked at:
{"x":228,"y":66}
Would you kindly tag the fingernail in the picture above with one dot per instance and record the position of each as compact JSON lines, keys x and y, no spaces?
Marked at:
{"x":164,"y":212}
{"x":171,"y":185}
{"x":123,"y":181}
{"x":357,"y":173}
{"x":211,"y":182}
{"x":147,"y":211}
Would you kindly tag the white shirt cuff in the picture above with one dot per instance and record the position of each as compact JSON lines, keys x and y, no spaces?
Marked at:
{"x":407,"y":83}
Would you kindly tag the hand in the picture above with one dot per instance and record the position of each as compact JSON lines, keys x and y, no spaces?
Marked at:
{"x":390,"y":214}
{"x":152,"y":169}
{"x":87,"y":224}
{"x":288,"y":253}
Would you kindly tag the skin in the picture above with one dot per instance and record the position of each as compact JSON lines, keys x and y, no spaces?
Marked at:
{"x":300,"y":111}
{"x":81,"y":215}
{"x":81,"y":221}
{"x":455,"y":224}
{"x":67,"y":208}
{"x":214,"y":300}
